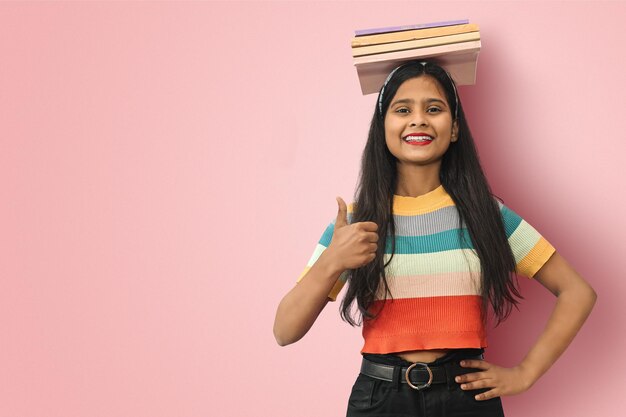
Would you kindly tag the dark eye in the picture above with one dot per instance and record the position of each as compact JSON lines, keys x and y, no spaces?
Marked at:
{"x":401,"y":108}
{"x":437,"y":109}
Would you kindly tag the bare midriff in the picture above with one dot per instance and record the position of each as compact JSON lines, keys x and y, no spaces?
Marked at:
{"x":422,"y":355}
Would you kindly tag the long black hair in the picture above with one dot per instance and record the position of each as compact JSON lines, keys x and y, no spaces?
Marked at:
{"x":461,"y":176}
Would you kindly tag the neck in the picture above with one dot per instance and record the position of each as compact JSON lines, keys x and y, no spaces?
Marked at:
{"x":416,"y":180}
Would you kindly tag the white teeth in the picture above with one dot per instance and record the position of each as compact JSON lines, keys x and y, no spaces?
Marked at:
{"x":418,"y":138}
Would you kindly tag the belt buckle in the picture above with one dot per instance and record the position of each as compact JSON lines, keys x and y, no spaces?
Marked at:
{"x":408,"y":380}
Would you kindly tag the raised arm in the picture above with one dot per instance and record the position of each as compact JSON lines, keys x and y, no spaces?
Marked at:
{"x":352,"y":246}
{"x":299,"y":309}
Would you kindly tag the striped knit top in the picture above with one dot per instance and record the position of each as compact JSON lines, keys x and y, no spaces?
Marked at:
{"x":434,"y":276}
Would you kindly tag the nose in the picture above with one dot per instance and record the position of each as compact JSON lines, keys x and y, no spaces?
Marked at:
{"x":418,"y":119}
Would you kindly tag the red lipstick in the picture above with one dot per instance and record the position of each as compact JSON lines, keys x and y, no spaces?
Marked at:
{"x":418,"y":142}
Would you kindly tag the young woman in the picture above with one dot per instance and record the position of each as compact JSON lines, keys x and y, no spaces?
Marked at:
{"x":429,"y":254}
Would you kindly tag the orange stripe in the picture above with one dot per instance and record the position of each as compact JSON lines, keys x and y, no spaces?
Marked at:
{"x":425,"y":323}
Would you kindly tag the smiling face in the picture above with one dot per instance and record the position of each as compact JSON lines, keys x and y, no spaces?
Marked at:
{"x":419,"y":107}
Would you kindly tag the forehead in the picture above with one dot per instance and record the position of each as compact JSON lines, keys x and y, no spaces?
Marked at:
{"x":419,"y":87}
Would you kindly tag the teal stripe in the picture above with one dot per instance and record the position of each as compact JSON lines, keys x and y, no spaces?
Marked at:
{"x":437,"y":242}
{"x":511,"y":220}
{"x":327,"y":236}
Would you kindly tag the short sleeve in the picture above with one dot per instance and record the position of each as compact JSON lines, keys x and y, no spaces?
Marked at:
{"x":530,"y":249}
{"x":321,"y":246}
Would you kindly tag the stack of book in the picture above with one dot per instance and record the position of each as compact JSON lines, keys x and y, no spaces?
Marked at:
{"x":453,"y":45}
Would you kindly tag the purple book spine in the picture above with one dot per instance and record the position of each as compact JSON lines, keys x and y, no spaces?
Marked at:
{"x":362,"y":32}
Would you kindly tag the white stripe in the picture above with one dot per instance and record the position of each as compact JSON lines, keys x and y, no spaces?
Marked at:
{"x":435,"y":285}
{"x":457,"y":260}
{"x":522,"y":240}
{"x":316,"y":254}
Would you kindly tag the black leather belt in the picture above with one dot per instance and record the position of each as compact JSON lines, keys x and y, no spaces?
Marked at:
{"x":418,"y":375}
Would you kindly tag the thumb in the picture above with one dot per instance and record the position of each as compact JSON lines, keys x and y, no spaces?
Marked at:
{"x":342,"y":214}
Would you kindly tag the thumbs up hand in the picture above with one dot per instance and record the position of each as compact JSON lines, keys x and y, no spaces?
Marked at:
{"x":352,"y":245}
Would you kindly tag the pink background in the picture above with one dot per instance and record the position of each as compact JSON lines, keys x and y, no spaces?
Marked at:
{"x":167,"y":169}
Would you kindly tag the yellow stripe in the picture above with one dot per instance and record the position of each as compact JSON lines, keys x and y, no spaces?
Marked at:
{"x":336,"y":288}
{"x":426,"y":203}
{"x":536,"y":258}
{"x":306,"y":269}
{"x":405,"y":208}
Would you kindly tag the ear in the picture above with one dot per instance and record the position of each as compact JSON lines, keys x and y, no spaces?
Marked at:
{"x":455,"y":131}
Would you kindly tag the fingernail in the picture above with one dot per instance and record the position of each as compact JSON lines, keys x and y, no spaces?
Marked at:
{"x":457,"y":379}
{"x":462,"y":363}
{"x":463,"y":386}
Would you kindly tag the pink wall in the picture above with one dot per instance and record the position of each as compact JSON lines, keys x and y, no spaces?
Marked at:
{"x":166,"y":170}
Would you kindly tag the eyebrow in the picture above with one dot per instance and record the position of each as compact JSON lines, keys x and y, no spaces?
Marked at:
{"x":411,"y":101}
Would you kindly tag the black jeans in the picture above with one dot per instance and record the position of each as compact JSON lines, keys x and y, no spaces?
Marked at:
{"x":374,"y":397}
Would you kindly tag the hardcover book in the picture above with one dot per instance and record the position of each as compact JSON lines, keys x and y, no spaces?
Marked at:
{"x":416,"y":43}
{"x":460,"y":60}
{"x":410,"y":35}
{"x":362,"y":32}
